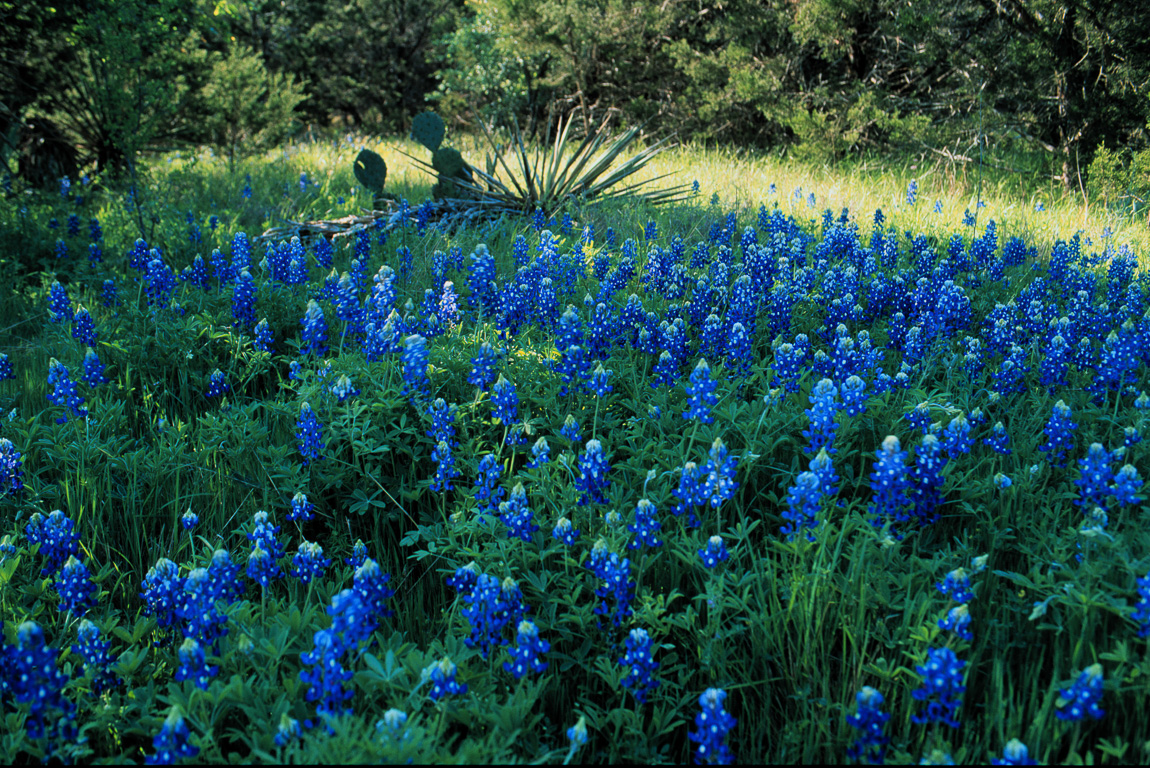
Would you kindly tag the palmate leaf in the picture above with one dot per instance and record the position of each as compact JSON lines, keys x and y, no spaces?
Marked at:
{"x":545,"y":177}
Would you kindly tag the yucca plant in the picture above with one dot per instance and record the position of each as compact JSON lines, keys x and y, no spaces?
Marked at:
{"x":544,"y":177}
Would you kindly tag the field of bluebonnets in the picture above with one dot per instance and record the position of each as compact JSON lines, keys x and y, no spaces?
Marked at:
{"x":763,"y":480}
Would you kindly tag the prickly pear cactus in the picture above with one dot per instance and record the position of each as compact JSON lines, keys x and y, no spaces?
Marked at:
{"x":427,"y":129}
{"x":370,"y":171}
{"x":447,"y":161}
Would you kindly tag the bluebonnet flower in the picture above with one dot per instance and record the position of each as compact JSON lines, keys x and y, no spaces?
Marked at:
{"x":246,"y":192}
{"x":327,"y":678}
{"x":646,"y":526}
{"x":244,"y":301}
{"x":443,"y":682}
{"x":217,"y":385}
{"x":1095,"y":476}
{"x":301,"y":509}
{"x":77,"y":592}
{"x":956,"y":586}
{"x":445,"y":470}
{"x":352,"y":619}
{"x":956,"y":437}
{"x":1059,"y":434}
{"x":526,"y":657}
{"x":516,"y":515}
{"x":449,"y":305}
{"x":637,"y":656}
{"x":83,"y":329}
{"x":957,"y":620}
{"x":889,"y":483}
{"x":63,"y":392}
{"x":287,"y":731}
{"x":189,"y":520}
{"x":911,"y":192}
{"x":309,"y":562}
{"x":803,"y":502}
{"x":999,"y":440}
{"x":738,"y":351}
{"x":61,"y":249}
{"x":540,"y":454}
{"x":919,"y":417}
{"x":600,"y":381}
{"x":691,"y":493}
{"x":11,"y":469}
{"x":163,"y":592}
{"x":262,"y":565}
{"x":564,"y":532}
{"x":483,"y":367}
{"x":415,"y":358}
{"x":6,"y":367}
{"x":1141,"y":612}
{"x":718,"y":475}
{"x":1083,"y":698}
{"x":927,"y":480}
{"x":93,"y":370}
{"x":33,"y":678}
{"x":487,"y":489}
{"x":97,"y":656}
{"x":854,"y":396}
{"x":1015,"y":752}
{"x":372,"y":585}
{"x":314,"y":336}
{"x":198,"y":610}
{"x":194,"y":665}
{"x":358,"y":554}
{"x":712,"y":725}
{"x":941,"y":689}
{"x":615,"y":571}
{"x":592,"y":479}
{"x":56,"y":537}
{"x":714,"y":552}
{"x":504,"y":401}
{"x":1002,"y":482}
{"x":1126,"y":485}
{"x":392,"y":725}
{"x":1130,"y":435}
{"x":871,"y":721}
{"x":788,"y":366}
{"x":309,"y":435}
{"x":577,"y":735}
{"x":571,"y":430}
{"x":343,"y":389}
{"x":701,"y":397}
{"x":821,"y":432}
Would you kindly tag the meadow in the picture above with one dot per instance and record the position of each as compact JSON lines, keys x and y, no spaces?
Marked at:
{"x":815,"y":465}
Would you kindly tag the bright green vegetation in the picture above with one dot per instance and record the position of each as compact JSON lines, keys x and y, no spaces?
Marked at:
{"x":790,"y":628}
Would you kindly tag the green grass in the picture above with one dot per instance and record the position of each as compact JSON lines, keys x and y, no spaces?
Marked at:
{"x":790,"y":629}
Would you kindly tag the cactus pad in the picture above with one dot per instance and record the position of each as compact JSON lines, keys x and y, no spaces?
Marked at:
{"x":447,"y":161}
{"x":427,"y":129}
{"x":370,"y":171}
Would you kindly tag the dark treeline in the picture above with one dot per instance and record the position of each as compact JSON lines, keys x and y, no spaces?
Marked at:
{"x":95,"y":82}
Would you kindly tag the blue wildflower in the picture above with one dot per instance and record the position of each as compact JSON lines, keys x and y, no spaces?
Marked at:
{"x":163,"y":592}
{"x":564,"y":532}
{"x":889,"y":483}
{"x":63,"y":392}
{"x":1015,"y":752}
{"x":194,"y":665}
{"x":59,"y":305}
{"x":646,"y":526}
{"x":957,"y":620}
{"x":34,"y":679}
{"x":956,"y":586}
{"x":309,"y":562}
{"x":701,"y":397}
{"x":529,"y":649}
{"x":941,"y":689}
{"x":1083,"y":698}
{"x":592,"y":480}
{"x":77,"y":592}
{"x":871,"y":721}
{"x":309,"y":435}
{"x":714,"y":553}
{"x":327,"y":679}
{"x":804,"y":500}
{"x":821,"y":432}
{"x":56,"y":537}
{"x":1059,"y":434}
{"x":540,"y":453}
{"x":443,"y":682}
{"x":83,"y":329}
{"x":637,"y":656}
{"x":217,"y":385}
{"x":11,"y":468}
{"x":301,"y":509}
{"x":504,"y":401}
{"x":97,"y":656}
{"x":712,"y":725}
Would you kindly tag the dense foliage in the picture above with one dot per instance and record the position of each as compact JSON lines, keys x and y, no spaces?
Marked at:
{"x":767,"y":483}
{"x":825,"y":79}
